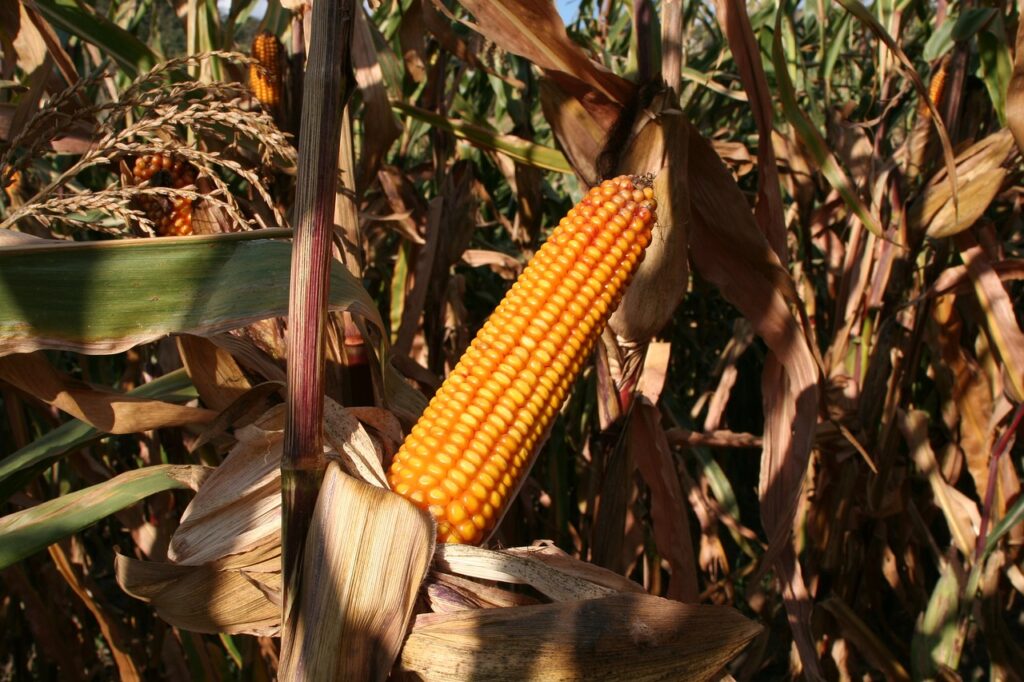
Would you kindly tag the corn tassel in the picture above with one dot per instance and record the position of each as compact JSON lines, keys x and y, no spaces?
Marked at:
{"x":468,"y":454}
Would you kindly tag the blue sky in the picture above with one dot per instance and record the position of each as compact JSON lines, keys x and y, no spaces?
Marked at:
{"x":568,"y":9}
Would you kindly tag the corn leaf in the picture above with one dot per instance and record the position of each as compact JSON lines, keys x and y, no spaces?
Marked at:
{"x":129,"y":52}
{"x":30,"y":530}
{"x":22,"y":465}
{"x":811,"y":137}
{"x":516,"y":148}
{"x":105,"y":297}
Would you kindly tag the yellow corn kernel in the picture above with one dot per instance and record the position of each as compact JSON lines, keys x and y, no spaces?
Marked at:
{"x":523,"y":362}
{"x":265,"y":73}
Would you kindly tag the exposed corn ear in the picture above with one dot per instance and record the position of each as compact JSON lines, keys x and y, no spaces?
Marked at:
{"x":470,"y":450}
{"x":265,"y":74}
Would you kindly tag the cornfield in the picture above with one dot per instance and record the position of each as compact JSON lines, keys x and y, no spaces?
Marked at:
{"x":507,"y":339}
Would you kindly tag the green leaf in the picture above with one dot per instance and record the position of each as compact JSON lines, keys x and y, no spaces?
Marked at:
{"x":21,"y":466}
{"x":940,"y":42}
{"x":30,"y":530}
{"x":130,"y":53}
{"x":516,"y":148}
{"x":812,"y":138}
{"x":995,"y":65}
{"x":106,"y":297}
{"x":971,"y":21}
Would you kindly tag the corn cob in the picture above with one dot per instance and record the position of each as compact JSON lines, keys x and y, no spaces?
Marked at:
{"x":265,"y":72}
{"x":164,"y":170}
{"x":936,"y":89}
{"x":469,"y":452}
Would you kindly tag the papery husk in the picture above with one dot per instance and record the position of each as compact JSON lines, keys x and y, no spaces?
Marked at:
{"x":660,"y":146}
{"x":239,"y":505}
{"x":619,"y":637}
{"x":527,"y":566}
{"x":224,"y":573}
{"x":367,"y":552}
{"x":234,"y":595}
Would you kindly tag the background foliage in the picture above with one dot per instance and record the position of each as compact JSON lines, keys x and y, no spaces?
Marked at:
{"x":907,"y":527}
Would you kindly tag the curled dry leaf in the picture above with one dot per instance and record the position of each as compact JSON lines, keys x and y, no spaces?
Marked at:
{"x":961,"y":513}
{"x":349,"y":439}
{"x":213,"y":371}
{"x":103,"y":409}
{"x":534,"y":29}
{"x":231,"y":595}
{"x":239,"y":506}
{"x":447,"y":593}
{"x":981,"y":170}
{"x":622,"y":636}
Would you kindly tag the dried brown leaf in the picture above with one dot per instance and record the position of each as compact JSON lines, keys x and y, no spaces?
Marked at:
{"x":534,"y":29}
{"x":961,"y":513}
{"x":670,"y":519}
{"x":229,"y":597}
{"x":215,"y":374}
{"x":382,"y":128}
{"x":448,"y":593}
{"x":358,"y":452}
{"x":103,"y":409}
{"x":239,"y":505}
{"x":980,"y":172}
{"x":1000,"y":320}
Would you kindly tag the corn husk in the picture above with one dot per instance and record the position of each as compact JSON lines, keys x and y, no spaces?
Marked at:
{"x":367,"y":558}
{"x":619,"y":637}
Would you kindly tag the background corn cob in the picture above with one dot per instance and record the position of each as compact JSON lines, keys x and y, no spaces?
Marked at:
{"x":171,"y":217}
{"x":468,"y":453}
{"x":265,"y":75}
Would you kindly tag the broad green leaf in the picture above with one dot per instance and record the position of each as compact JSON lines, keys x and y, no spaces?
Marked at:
{"x":971,"y":21}
{"x":995,"y":65}
{"x":20,"y":466}
{"x":25,"y":532}
{"x":516,"y":148}
{"x":106,"y":297}
{"x":940,"y":41}
{"x":130,"y":53}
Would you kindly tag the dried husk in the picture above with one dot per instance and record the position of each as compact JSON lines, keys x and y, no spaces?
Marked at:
{"x":661,"y":147}
{"x":619,"y":637}
{"x":367,"y":555}
{"x":367,"y":552}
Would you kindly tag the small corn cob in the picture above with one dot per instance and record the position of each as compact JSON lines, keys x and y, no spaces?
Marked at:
{"x":936,"y":89}
{"x":265,"y":73}
{"x":470,"y":450}
{"x":164,"y":170}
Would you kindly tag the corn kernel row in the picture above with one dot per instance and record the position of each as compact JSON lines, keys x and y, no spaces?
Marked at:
{"x":468,"y":454}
